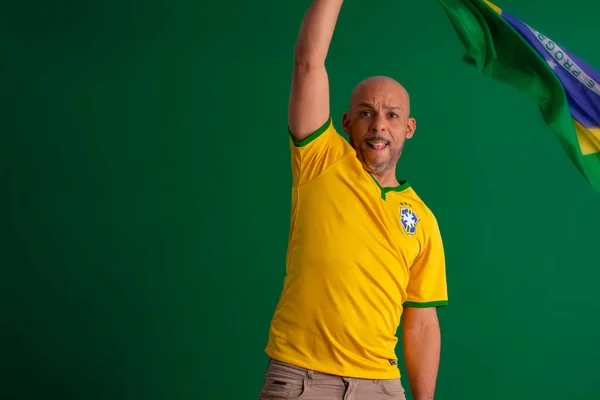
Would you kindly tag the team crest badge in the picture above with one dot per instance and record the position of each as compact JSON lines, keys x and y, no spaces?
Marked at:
{"x":409,"y":220}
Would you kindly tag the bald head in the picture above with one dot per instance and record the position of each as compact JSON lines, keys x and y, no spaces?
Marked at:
{"x":381,"y":88}
{"x":378,"y":124}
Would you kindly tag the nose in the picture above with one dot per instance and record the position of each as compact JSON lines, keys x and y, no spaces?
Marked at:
{"x":378,"y":123}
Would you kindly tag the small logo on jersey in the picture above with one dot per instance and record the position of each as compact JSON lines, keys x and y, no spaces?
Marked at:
{"x":393,"y":362}
{"x":409,"y":220}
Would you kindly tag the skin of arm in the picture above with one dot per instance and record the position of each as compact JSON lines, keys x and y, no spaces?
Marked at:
{"x":308,"y":107}
{"x":421,"y":341}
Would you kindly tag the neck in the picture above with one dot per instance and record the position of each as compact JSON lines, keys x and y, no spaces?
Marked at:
{"x":387,"y":179}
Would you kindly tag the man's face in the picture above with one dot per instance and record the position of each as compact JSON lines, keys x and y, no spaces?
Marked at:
{"x":378,"y":124}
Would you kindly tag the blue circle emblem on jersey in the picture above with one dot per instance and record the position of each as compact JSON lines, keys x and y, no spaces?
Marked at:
{"x":409,"y":220}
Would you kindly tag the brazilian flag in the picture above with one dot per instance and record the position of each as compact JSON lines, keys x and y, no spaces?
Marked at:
{"x":564,"y":87}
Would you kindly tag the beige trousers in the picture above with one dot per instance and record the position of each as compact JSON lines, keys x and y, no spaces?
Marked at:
{"x":285,"y":381}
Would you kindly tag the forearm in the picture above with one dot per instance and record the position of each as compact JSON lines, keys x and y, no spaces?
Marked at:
{"x":309,"y":96}
{"x":316,"y":32}
{"x":422,"y":346}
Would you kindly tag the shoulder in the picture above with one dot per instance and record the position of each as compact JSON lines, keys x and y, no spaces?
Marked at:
{"x":423,"y":213}
{"x":324,"y":133}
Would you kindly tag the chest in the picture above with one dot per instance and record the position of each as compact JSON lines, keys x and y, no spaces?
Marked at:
{"x":354,"y":215}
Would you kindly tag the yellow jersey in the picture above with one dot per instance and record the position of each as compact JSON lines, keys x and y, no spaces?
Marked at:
{"x":357,"y":254}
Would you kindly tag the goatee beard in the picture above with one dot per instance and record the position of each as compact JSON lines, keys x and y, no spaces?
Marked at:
{"x":381,"y":167}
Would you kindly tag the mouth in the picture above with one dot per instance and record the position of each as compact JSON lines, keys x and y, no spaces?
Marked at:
{"x":377,"y":144}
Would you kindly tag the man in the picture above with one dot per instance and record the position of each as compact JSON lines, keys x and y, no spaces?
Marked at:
{"x":363,"y":251}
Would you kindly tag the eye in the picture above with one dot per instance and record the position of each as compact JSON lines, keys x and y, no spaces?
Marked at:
{"x":393,"y":115}
{"x":366,"y":113}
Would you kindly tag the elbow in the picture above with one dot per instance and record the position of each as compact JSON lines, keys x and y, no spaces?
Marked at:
{"x":305,"y":60}
{"x":307,"y":64}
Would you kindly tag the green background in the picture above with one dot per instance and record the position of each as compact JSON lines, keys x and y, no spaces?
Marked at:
{"x":146,"y":193}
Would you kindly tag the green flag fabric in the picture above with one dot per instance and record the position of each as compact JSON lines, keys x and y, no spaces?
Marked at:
{"x":564,"y":87}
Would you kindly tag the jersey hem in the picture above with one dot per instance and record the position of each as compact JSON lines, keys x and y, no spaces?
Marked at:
{"x":415,"y":304}
{"x":312,"y":136}
{"x":394,"y":374}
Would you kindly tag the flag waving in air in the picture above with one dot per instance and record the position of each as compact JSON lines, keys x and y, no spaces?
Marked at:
{"x":564,"y":87}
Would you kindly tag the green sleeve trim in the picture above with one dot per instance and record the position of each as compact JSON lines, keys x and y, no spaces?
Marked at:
{"x":441,"y":303}
{"x":312,"y":136}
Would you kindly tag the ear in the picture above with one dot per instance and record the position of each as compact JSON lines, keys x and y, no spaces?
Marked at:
{"x":346,"y":123}
{"x":411,"y":127}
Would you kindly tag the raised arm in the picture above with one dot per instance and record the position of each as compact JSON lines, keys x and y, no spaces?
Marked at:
{"x":309,"y":96}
